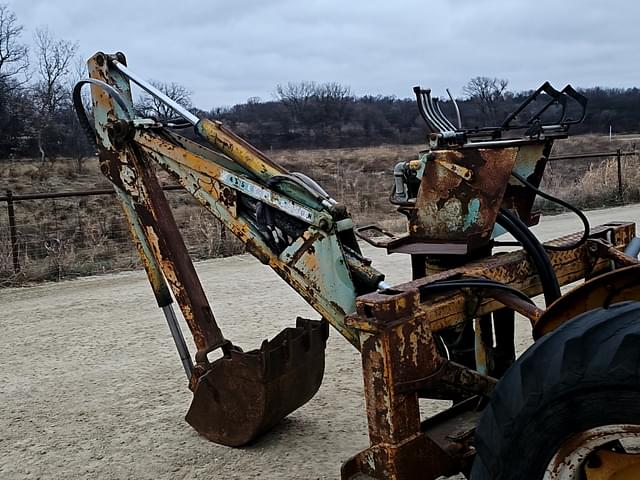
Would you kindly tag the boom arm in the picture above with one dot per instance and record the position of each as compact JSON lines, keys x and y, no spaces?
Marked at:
{"x":284,"y":219}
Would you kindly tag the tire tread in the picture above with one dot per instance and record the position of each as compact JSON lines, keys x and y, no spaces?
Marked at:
{"x":598,"y":349}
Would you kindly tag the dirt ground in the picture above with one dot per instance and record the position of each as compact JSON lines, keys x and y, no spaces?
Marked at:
{"x":91,"y":386}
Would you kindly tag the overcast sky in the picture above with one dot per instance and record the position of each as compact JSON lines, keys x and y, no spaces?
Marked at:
{"x":226,"y":52}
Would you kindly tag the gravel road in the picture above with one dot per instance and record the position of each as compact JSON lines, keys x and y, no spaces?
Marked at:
{"x":91,"y":386}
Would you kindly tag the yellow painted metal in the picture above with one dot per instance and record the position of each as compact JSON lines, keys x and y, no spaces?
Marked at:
{"x":415,"y":164}
{"x":617,"y":286}
{"x":606,"y":465}
{"x":301,"y":271}
{"x":239,"y":149}
{"x":464,"y":172}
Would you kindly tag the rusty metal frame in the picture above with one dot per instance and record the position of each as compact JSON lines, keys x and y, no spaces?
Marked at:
{"x":401,"y":362}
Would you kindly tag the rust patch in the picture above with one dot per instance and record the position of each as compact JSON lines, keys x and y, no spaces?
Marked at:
{"x":452,"y":210}
{"x":617,"y":286}
{"x":228,"y":197}
{"x":306,"y":247}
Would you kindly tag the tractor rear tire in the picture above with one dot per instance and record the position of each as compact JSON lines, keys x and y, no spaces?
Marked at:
{"x":585,"y":374}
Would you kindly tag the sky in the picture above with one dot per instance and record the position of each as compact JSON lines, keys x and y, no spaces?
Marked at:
{"x":227,"y":52}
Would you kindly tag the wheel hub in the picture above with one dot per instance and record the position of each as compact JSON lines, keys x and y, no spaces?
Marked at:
{"x":610,"y":452}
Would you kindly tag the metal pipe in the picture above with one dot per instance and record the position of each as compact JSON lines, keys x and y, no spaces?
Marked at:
{"x":447,"y":126}
{"x":455,"y":104}
{"x":431,"y":113}
{"x":592,"y":155}
{"x":422,"y":109}
{"x":426,"y":115}
{"x":113,"y":93}
{"x":315,"y":185}
{"x":424,"y":106}
{"x":442,"y":116}
{"x":508,"y":299}
{"x":483,"y":335}
{"x":81,"y":193}
{"x":151,"y":90}
{"x":178,"y":338}
{"x":401,"y":194}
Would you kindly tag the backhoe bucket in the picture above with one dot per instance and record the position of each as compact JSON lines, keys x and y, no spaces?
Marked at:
{"x":244,"y":394}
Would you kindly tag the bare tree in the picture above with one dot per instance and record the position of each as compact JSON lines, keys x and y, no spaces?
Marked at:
{"x":52,"y":90}
{"x":296,"y":97}
{"x":14,"y":58}
{"x":80,"y":146}
{"x":333,"y":99}
{"x":14,"y":74}
{"x":152,"y":107}
{"x":488,"y":92}
{"x":315,"y":103}
{"x":218,"y":112}
{"x":55,"y":62}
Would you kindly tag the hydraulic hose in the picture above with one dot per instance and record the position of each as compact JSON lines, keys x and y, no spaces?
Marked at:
{"x":78,"y":106}
{"x":567,"y":205}
{"x":539,"y":257}
{"x":473,"y":283}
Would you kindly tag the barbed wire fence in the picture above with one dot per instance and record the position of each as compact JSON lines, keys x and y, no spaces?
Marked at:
{"x":53,"y":236}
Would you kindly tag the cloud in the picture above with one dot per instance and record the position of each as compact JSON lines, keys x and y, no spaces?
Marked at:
{"x":226,"y":52}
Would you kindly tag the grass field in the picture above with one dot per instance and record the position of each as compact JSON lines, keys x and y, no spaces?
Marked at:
{"x":80,"y":236}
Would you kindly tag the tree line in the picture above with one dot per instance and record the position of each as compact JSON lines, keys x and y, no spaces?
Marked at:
{"x":305,"y":115}
{"x":37,"y":117}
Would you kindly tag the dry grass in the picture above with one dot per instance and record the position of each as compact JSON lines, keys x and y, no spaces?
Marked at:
{"x":61,"y":238}
{"x":79,"y":236}
{"x":360,"y":178}
{"x":593,"y":183}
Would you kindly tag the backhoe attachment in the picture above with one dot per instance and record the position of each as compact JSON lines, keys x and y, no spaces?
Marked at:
{"x":448,"y":334}
{"x":284,"y":219}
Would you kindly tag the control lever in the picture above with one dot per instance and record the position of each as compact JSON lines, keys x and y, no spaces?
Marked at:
{"x":431,"y":113}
